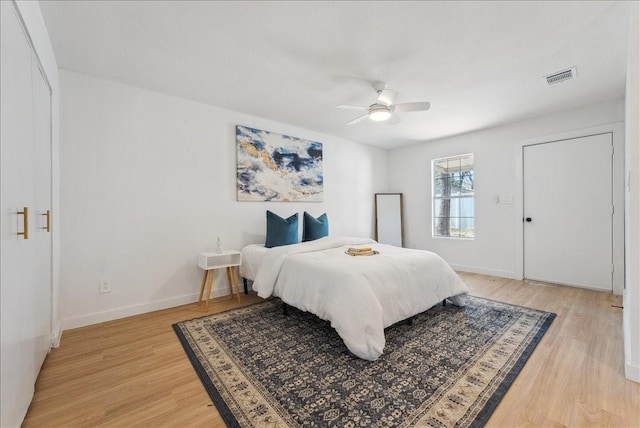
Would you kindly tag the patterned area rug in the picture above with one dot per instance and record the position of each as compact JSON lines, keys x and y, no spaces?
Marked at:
{"x":450,"y":368}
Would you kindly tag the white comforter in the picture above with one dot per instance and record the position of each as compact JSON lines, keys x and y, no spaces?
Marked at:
{"x":360,"y":295}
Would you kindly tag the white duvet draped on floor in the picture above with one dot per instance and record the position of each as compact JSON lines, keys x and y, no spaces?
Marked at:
{"x":359,"y":295}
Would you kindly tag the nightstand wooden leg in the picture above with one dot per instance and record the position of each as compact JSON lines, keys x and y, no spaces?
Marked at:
{"x":209,"y":282}
{"x":204,"y":280}
{"x":229,"y":281}
{"x":234,"y":273}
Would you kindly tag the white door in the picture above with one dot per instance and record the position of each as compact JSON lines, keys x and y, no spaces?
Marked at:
{"x":25,"y":264}
{"x":42,"y":263}
{"x":568,"y":212}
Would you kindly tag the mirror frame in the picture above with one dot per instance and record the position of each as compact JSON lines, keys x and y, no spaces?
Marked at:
{"x":379,"y":217}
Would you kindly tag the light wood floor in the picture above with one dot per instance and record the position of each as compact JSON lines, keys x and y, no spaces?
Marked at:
{"x":134,"y":372}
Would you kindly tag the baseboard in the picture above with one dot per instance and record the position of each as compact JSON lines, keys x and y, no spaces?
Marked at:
{"x":127,"y":311}
{"x":56,"y":335}
{"x":632,"y":372}
{"x":483,"y":271}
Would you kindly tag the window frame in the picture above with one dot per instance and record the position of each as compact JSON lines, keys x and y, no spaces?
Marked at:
{"x":460,"y":196}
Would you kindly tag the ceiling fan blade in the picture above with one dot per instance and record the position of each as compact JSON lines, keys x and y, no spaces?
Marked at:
{"x":347,"y":107}
{"x":393,"y":120}
{"x":417,"y":106}
{"x":358,"y":119}
{"x":387,"y":97}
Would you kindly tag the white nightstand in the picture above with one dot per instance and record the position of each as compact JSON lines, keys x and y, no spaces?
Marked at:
{"x":228,"y":259}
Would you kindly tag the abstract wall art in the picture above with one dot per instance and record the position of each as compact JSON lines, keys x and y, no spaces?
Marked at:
{"x":275,"y":167}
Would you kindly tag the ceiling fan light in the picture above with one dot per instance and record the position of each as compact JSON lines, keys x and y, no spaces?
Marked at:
{"x":379,"y":114}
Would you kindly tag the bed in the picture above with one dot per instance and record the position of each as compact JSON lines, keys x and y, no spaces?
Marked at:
{"x":359,"y":295}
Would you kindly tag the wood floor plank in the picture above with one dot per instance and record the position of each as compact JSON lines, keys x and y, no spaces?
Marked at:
{"x":133,"y":371}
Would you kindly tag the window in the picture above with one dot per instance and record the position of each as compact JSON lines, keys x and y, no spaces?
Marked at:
{"x":452,"y":208}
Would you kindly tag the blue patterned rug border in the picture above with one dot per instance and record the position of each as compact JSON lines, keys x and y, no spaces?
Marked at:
{"x":492,"y":403}
{"x":222,"y":407}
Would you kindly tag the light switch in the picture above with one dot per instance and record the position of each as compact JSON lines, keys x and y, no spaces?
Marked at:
{"x":506,"y":199}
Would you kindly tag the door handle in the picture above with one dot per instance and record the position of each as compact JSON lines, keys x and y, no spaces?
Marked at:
{"x":48,"y":216}
{"x":25,"y":222}
{"x":528,"y":219}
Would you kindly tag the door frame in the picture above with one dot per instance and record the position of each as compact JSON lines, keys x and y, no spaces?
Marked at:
{"x":617,"y":131}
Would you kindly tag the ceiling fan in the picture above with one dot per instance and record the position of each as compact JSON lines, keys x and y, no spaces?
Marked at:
{"x":384,"y":109}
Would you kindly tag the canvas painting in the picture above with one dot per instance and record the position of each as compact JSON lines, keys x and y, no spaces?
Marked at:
{"x":275,"y":167}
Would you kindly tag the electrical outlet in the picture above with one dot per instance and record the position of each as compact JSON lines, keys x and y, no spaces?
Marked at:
{"x":105,"y":286}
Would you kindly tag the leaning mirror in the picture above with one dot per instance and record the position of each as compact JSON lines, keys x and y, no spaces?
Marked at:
{"x":388,"y":208}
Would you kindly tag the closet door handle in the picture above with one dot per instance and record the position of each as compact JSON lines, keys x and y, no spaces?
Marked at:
{"x":48,"y":226}
{"x":25,"y":222}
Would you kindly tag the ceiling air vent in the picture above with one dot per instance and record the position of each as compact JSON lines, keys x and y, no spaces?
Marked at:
{"x":562,"y":76}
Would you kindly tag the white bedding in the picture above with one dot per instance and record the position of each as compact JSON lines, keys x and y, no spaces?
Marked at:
{"x":252,"y":256}
{"x":360,"y":295}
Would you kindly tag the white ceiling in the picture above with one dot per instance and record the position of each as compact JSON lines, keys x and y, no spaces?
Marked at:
{"x":480,"y":64}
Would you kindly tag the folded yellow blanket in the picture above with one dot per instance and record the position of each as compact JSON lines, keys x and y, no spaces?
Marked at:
{"x":359,"y":250}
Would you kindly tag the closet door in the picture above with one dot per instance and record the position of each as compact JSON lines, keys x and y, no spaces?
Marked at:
{"x":25,"y":264}
{"x":41,"y":233}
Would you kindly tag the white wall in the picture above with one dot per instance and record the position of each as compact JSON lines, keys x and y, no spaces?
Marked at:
{"x":148,"y":181}
{"x":631,"y":303}
{"x":34,"y":22}
{"x":497,"y":247}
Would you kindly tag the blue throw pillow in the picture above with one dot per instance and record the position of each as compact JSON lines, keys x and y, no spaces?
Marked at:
{"x":281,"y":231}
{"x":314,"y":228}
